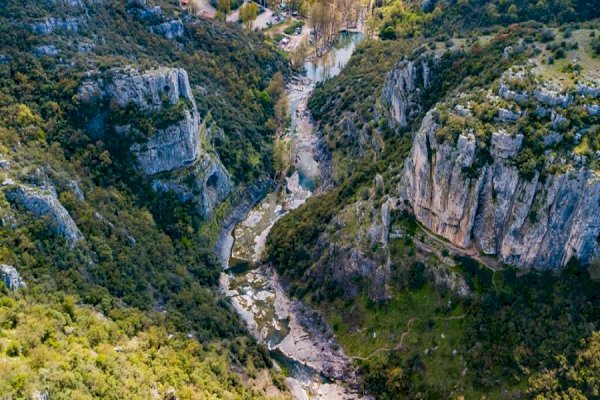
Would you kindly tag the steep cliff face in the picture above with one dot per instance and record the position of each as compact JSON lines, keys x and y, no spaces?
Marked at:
{"x":172,"y":155}
{"x":150,"y":89}
{"x":206,"y":183}
{"x":171,"y":148}
{"x":407,"y":84}
{"x":473,"y":190}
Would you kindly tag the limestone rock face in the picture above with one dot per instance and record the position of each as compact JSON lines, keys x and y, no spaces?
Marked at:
{"x":11,"y":278}
{"x":172,"y":155}
{"x":588,"y":90}
{"x":551,"y":97}
{"x":169,"y":29}
{"x":174,"y":147}
{"x":148,"y":90}
{"x":210,"y":184}
{"x":405,"y":86}
{"x":43,"y":203}
{"x":526,"y":222}
{"x":51,"y":25}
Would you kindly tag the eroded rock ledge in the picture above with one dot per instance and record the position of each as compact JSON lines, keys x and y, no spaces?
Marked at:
{"x":540,"y":223}
{"x":173,"y":156}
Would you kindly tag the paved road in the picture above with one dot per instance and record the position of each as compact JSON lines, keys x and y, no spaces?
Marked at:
{"x":262,"y":19}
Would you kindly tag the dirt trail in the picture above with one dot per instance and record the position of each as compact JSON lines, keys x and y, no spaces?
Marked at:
{"x":403,"y":336}
{"x":397,"y":347}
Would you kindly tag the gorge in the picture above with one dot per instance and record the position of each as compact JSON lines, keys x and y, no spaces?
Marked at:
{"x":326,"y":199}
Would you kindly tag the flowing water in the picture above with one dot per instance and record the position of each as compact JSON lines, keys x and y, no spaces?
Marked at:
{"x":300,"y":342}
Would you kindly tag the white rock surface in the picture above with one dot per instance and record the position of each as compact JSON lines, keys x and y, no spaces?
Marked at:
{"x":172,"y":155}
{"x":11,"y":278}
{"x":528,"y":223}
{"x":43,"y":202}
{"x":405,"y":85}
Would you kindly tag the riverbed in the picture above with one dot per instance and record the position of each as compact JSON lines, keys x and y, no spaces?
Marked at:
{"x":299,"y":339}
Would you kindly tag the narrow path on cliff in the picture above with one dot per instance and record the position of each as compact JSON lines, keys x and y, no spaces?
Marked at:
{"x":489,"y":262}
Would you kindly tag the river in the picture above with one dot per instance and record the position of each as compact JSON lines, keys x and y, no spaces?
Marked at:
{"x":300,"y":341}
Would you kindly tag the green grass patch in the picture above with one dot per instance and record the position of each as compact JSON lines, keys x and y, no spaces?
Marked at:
{"x":369,"y":326}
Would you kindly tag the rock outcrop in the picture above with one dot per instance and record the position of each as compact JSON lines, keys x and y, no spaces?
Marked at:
{"x":207,"y":183}
{"x":146,"y":90}
{"x":172,"y":155}
{"x":46,"y":50}
{"x":43,"y":203}
{"x":174,"y":147}
{"x":169,"y":29}
{"x":11,"y":278}
{"x":539,"y":223}
{"x":405,"y":87}
{"x":51,"y":25}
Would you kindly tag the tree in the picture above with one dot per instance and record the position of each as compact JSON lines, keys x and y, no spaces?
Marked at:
{"x":492,"y":11}
{"x":281,"y":112}
{"x":248,"y":14}
{"x":323,"y":20}
{"x":223,"y":6}
{"x":276,"y":87}
{"x":579,"y":380}
{"x":281,"y":157}
{"x":512,"y":11}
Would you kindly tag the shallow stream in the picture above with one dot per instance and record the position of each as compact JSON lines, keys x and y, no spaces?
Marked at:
{"x":300,"y":342}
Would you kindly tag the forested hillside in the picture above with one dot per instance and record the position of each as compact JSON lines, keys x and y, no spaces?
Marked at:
{"x":120,"y":298}
{"x":434,"y":213}
{"x":425,"y":308}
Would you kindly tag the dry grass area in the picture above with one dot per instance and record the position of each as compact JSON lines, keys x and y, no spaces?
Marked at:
{"x":583,"y":56}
